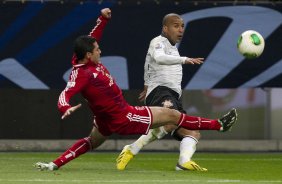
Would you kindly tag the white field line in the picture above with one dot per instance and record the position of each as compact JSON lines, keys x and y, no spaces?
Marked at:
{"x":138,"y":181}
{"x":218,"y":159}
{"x":165,"y":159}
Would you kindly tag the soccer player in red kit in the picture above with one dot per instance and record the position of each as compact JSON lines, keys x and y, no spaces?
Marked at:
{"x":112,"y":113}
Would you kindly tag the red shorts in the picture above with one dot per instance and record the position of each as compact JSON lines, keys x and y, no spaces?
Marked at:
{"x":137,"y":120}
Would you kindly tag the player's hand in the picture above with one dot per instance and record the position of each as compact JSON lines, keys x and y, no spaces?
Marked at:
{"x":193,"y":61}
{"x":70,"y":111}
{"x":142,"y":95}
{"x":106,"y":12}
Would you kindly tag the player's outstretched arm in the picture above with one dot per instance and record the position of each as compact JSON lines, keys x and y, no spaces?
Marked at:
{"x":70,"y":111}
{"x":101,"y":23}
{"x":193,"y":61}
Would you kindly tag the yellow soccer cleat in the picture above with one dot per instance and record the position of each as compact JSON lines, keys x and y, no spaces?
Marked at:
{"x":124,"y":157}
{"x":190,"y":166}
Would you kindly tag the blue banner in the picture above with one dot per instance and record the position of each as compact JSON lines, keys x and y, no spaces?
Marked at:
{"x":36,"y":42}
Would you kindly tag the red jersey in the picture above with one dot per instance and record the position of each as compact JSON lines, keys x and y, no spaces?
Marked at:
{"x":95,"y":84}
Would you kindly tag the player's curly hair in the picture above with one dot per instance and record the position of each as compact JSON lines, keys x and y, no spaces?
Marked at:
{"x":82,"y":45}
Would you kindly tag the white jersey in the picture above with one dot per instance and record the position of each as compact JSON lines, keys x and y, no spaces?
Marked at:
{"x":163,"y":65}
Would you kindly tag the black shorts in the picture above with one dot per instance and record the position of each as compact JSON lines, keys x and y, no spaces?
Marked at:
{"x":164,"y":97}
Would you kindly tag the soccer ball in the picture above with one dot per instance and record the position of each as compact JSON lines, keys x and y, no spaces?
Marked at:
{"x":250,"y":44}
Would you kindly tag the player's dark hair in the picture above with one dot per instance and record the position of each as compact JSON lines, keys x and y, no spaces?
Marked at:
{"x":82,"y":45}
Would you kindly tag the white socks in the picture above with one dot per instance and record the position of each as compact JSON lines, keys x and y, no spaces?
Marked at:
{"x":187,"y":145}
{"x":187,"y":149}
{"x":152,"y":135}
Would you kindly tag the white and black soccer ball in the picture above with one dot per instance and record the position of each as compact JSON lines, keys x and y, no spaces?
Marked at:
{"x":250,"y":44}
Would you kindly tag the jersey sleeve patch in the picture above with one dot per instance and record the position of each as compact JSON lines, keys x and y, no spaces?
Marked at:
{"x":158,"y":46}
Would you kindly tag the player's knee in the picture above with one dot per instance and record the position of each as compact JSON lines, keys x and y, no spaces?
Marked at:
{"x":172,"y":112}
{"x":88,"y":141}
{"x":180,"y":133}
{"x":195,"y":133}
{"x":95,"y":139}
{"x":170,"y":115}
{"x":95,"y":143}
{"x":170,"y":128}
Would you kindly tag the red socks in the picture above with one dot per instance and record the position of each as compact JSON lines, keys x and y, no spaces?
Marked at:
{"x":185,"y":121}
{"x":198,"y":123}
{"x":80,"y":147}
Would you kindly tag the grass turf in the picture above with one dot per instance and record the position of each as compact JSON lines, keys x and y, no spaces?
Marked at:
{"x":145,"y":168}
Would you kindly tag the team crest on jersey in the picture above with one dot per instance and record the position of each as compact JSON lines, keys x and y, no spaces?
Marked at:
{"x":158,"y":46}
{"x":167,"y":104}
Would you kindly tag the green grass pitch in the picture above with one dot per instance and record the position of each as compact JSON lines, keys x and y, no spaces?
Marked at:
{"x":17,"y":168}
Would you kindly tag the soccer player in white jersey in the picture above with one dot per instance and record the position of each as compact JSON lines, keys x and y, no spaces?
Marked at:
{"x":163,"y":76}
